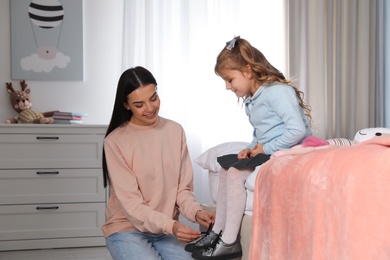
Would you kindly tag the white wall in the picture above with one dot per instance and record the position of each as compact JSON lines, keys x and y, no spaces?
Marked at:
{"x":102,"y":47}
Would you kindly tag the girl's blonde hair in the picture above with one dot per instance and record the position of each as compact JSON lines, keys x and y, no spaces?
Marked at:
{"x":241,"y":54}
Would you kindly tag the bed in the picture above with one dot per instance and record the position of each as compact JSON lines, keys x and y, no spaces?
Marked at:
{"x":327,"y":202}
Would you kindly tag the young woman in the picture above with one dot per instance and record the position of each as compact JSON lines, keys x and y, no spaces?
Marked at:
{"x":280,"y":120}
{"x":149,"y":172}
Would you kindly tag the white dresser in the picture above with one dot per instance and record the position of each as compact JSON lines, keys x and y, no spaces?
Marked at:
{"x":51,"y":186}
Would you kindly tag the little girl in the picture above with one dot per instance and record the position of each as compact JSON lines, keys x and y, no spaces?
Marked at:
{"x":280,"y":120}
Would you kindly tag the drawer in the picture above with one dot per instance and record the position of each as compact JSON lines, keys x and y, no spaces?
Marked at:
{"x":51,"y":221}
{"x":50,"y":151}
{"x":51,"y":186}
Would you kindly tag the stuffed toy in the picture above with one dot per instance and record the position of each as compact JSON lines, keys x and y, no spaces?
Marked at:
{"x":373,"y":134}
{"x":21,"y":103}
{"x":369,"y":133}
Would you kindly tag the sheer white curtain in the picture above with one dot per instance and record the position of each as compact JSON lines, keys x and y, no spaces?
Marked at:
{"x":179,"y":40}
{"x":336,"y":50}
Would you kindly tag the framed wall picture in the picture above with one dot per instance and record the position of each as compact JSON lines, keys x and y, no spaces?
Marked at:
{"x":47,"y":40}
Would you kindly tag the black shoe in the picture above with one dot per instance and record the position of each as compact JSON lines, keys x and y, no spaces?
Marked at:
{"x":204,"y":241}
{"x":220,"y":251}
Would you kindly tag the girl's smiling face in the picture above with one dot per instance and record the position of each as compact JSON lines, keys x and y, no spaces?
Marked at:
{"x":241,"y":83}
{"x":145,"y":105}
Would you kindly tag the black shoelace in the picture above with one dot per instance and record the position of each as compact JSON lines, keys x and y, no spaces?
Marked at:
{"x":205,"y":234}
{"x":214,"y":243}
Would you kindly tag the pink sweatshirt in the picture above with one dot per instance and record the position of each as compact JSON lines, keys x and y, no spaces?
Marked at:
{"x":151,"y":178}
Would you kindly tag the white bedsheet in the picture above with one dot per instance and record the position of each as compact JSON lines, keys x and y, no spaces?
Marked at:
{"x":208,"y":161}
{"x":250,"y":187}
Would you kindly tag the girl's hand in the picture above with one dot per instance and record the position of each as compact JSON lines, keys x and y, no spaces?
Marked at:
{"x":244,"y":154}
{"x":257,"y":149}
{"x":184,"y":233}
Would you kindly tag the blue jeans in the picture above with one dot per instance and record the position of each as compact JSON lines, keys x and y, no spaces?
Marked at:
{"x":137,"y":245}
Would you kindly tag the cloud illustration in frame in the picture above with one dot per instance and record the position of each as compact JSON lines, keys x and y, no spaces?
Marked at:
{"x":47,"y":40}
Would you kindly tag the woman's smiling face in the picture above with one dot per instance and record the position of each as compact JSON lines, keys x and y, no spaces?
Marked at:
{"x":145,"y":105}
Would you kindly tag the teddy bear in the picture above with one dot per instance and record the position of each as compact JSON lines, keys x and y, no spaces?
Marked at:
{"x":21,"y":103}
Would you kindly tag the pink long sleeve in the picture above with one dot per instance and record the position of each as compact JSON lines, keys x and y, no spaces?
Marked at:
{"x":150,"y":178}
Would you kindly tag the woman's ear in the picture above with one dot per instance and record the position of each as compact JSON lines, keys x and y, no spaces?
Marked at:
{"x":126,"y":106}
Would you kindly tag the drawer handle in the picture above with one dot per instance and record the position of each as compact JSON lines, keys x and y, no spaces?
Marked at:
{"x":47,"y":138}
{"x":46,"y":208}
{"x":48,"y":173}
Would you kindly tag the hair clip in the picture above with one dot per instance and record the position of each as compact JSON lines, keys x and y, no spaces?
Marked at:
{"x":230,"y":44}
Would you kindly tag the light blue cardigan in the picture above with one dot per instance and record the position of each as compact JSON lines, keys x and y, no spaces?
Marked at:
{"x":277,"y":119}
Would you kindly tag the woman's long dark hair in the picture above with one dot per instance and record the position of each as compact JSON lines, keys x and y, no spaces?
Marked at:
{"x":129,"y":81}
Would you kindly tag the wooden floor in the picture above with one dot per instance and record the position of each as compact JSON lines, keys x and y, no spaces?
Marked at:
{"x":88,"y":253}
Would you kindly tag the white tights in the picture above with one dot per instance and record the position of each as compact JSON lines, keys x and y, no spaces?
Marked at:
{"x":231,"y":202}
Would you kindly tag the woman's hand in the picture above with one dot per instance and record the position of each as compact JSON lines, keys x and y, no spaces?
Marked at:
{"x":257,"y":149}
{"x":187,"y":234}
{"x":244,"y":154}
{"x":184,"y":233}
{"x":204,"y":218}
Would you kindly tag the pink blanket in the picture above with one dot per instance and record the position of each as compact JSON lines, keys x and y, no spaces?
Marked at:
{"x":330,"y":203}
